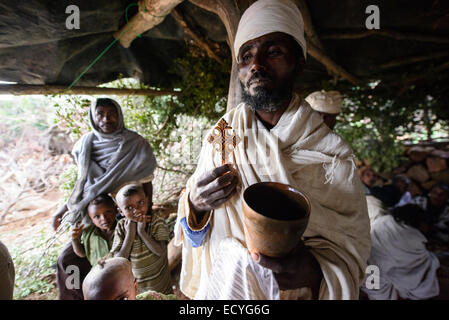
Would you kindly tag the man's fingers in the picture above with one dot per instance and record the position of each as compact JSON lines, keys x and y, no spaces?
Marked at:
{"x":271,"y":263}
{"x":224,"y":193}
{"x":208,"y":177}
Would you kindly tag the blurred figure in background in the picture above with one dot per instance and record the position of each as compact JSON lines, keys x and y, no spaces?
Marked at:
{"x":435,"y":204}
{"x":328,"y":104}
{"x":407,"y":269}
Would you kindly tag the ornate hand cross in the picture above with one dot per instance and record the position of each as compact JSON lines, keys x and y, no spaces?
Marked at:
{"x":223,"y":139}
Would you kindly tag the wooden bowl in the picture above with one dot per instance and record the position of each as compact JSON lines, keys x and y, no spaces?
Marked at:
{"x":275,"y":216}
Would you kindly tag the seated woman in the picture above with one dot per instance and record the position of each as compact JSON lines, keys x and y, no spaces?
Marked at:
{"x":407,"y":269}
{"x":108,"y":157}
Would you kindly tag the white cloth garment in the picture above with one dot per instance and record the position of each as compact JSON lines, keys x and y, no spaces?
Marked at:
{"x":303,"y":152}
{"x":325,"y":101}
{"x":376,"y":208}
{"x":407,"y":268}
{"x":108,"y":161}
{"x":405,"y":199}
{"x":268,"y":16}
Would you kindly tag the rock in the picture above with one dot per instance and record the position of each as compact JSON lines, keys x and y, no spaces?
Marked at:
{"x":428,"y":184}
{"x":398,"y":170}
{"x":440,"y":154}
{"x":436,"y":164}
{"x":442,"y":176}
{"x":418,"y":154}
{"x":418,"y":173}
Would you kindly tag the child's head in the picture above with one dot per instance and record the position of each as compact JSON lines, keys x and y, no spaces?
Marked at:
{"x":102,"y":212}
{"x":110,"y":279}
{"x":132,"y":202}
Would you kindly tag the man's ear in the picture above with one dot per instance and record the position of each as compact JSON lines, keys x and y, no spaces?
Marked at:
{"x":136,"y":286}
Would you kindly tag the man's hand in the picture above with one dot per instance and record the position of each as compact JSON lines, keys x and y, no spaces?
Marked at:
{"x":297,"y":270}
{"x":213,"y":188}
{"x":77,"y":230}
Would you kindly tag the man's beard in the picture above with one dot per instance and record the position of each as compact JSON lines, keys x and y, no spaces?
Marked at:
{"x":264,"y":99}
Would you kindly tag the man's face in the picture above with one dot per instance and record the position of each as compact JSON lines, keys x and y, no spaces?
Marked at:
{"x":267,"y":69}
{"x":106,"y":118}
{"x":438,"y":197}
{"x":102,"y":215}
{"x":134,"y":207}
{"x":369,"y":178}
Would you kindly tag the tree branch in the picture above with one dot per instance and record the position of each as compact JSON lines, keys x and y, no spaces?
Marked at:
{"x":150,"y":14}
{"x":410,"y":60}
{"x":28,"y":89}
{"x":386,"y":33}
{"x":190,"y":30}
{"x":308,"y":25}
{"x":333,"y":67}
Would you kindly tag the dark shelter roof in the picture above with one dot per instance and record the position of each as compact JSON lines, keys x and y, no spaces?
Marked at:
{"x":37,"y":48}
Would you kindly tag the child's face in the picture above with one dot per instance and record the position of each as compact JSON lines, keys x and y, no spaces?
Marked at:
{"x":134,"y":207}
{"x":102,"y":215}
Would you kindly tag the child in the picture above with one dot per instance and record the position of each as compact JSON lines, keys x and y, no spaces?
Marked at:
{"x":113,"y":279}
{"x":143,"y":239}
{"x":95,"y":241}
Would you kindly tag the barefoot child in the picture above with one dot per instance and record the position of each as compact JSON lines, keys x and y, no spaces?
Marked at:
{"x":113,"y":279}
{"x":142,"y":238}
{"x":95,"y":241}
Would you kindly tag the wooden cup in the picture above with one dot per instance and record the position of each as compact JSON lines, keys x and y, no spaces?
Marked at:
{"x":275,"y":216}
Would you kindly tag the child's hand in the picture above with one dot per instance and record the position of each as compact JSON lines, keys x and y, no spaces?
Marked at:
{"x":130,"y":226}
{"x":77,"y":230}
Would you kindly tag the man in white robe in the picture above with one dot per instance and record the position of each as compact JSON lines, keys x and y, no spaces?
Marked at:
{"x":281,"y":140}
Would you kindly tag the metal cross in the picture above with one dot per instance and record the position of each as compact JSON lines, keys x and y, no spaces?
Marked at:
{"x":223,"y":139}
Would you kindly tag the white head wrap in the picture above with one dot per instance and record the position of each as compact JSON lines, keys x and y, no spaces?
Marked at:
{"x":327,"y":102}
{"x":268,"y":16}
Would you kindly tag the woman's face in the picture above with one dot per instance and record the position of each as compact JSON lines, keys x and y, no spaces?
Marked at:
{"x":106,"y":118}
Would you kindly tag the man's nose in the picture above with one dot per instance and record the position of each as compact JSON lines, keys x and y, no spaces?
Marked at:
{"x":257,"y":64}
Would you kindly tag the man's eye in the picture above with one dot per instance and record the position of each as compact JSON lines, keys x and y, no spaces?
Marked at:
{"x":274,"y":52}
{"x":123,"y":298}
{"x":246,"y":57}
{"x":141,"y":202}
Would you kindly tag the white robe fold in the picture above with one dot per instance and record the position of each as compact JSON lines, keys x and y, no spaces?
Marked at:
{"x":300,"y":151}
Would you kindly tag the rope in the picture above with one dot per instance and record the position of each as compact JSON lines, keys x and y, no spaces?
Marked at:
{"x":111,"y":44}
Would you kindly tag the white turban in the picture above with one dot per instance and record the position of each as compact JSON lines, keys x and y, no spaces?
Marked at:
{"x":268,"y":16}
{"x":327,"y":102}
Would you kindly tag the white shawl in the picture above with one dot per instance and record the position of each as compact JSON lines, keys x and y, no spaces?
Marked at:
{"x":300,"y":151}
{"x":108,"y":161}
{"x":407,"y":268}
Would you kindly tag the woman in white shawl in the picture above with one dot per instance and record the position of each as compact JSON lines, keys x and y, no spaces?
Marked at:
{"x":407,"y":269}
{"x":108,"y":157}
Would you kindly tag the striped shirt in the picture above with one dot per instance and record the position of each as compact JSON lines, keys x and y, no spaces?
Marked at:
{"x":150,"y":270}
